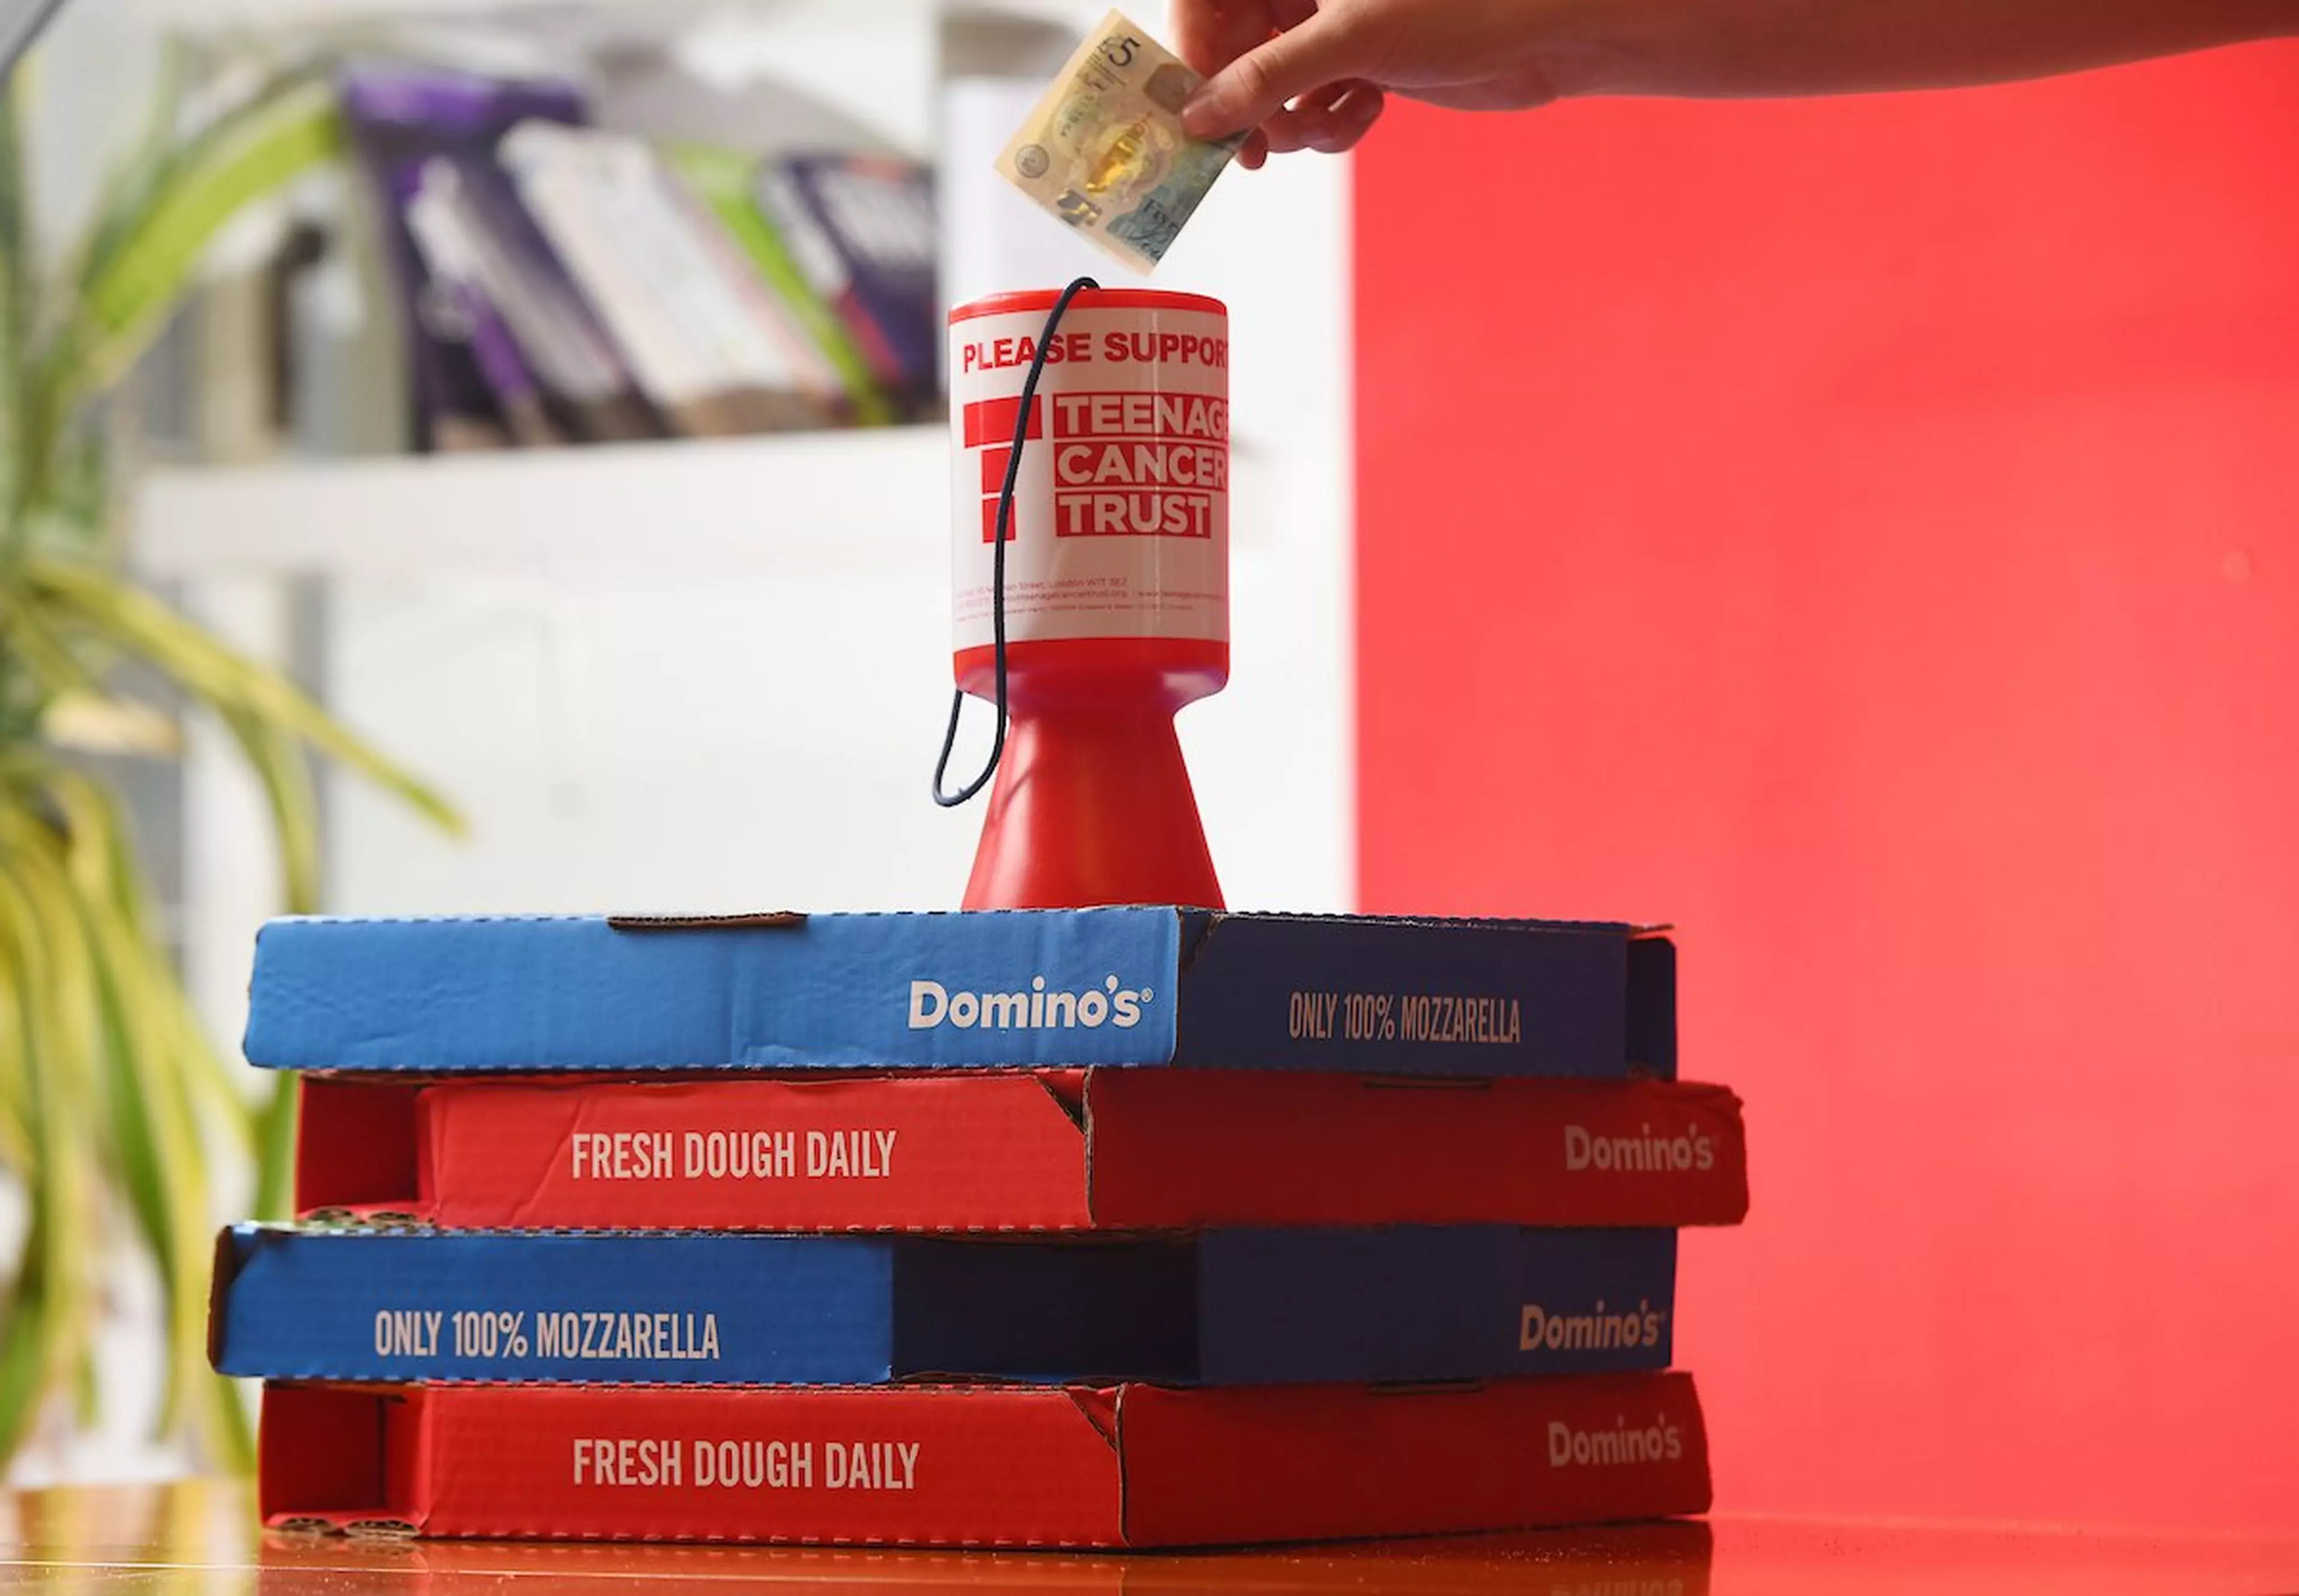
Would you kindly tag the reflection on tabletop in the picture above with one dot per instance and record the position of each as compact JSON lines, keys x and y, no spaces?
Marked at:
{"x":201,"y":1538}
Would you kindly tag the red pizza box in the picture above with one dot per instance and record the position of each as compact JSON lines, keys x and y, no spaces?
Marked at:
{"x":1031,"y":1150}
{"x":1128,"y":1465}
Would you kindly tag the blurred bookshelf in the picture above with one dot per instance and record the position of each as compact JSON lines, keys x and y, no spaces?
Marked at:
{"x":755,"y":506}
{"x":366,"y":386}
{"x":559,"y":224}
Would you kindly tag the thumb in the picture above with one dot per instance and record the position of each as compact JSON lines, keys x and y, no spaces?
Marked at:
{"x":1257,"y":84}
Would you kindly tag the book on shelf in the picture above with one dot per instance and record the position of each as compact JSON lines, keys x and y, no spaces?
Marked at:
{"x":707,"y":341}
{"x":476,"y":237}
{"x":472,"y":384}
{"x":862,"y":230}
{"x":722,"y":179}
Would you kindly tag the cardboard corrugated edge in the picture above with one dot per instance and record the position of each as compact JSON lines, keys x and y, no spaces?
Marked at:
{"x":221,"y":1272}
{"x":766,"y":919}
{"x":775,"y":920}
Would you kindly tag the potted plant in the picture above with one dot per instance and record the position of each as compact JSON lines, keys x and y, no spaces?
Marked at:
{"x":116,"y":1118}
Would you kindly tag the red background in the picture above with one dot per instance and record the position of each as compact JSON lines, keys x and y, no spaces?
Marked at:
{"x":1865,"y":533}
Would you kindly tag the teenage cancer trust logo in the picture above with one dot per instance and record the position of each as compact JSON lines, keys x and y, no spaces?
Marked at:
{"x":1123,"y":464}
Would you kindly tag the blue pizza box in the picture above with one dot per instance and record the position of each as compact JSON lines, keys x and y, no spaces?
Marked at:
{"x":1243,"y":1307}
{"x":1148,"y":985}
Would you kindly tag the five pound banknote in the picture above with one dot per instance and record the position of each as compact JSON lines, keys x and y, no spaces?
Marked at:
{"x":1104,"y":151}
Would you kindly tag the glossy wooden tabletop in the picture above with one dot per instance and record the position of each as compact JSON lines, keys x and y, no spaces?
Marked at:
{"x":201,"y":1540}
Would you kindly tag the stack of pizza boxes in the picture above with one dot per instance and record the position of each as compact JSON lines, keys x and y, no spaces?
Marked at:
{"x":1114,"y":1227}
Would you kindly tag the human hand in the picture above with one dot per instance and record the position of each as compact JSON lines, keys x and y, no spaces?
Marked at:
{"x":1310,"y":76}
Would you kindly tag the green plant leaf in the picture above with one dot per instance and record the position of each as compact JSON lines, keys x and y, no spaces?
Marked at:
{"x":115,"y":1012}
{"x":35,"y":647}
{"x":165,"y":1007}
{"x":225,"y":681}
{"x":287,"y":783}
{"x":100,"y":723}
{"x":50,"y":1308}
{"x":126,"y":191}
{"x":112,"y":1096}
{"x":18,"y":273}
{"x":26,"y":1335}
{"x":132,"y":285}
{"x":156,"y":1133}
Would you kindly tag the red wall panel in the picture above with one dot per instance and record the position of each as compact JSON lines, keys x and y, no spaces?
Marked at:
{"x":1867,"y":534}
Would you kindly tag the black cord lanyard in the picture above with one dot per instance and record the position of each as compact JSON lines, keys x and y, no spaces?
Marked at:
{"x":998,"y":569}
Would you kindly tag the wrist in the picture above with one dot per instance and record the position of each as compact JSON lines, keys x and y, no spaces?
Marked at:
{"x":1593,"y":48}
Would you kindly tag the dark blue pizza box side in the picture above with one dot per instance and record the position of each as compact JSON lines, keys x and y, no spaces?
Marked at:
{"x":1226,"y":1308}
{"x":988,"y":989}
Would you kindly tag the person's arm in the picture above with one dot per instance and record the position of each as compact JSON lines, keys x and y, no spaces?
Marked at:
{"x":1333,"y":60}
